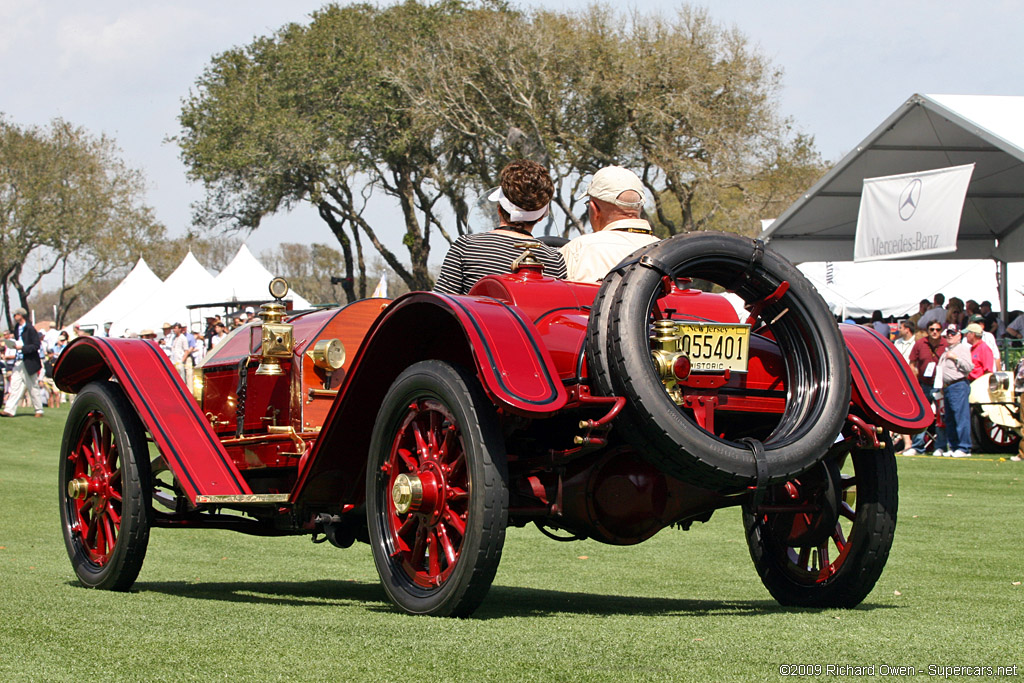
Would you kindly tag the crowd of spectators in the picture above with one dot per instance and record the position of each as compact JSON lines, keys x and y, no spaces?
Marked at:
{"x":185,"y":348}
{"x":948,"y":345}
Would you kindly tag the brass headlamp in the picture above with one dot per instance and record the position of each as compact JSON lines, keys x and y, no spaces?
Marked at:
{"x":277,"y":335}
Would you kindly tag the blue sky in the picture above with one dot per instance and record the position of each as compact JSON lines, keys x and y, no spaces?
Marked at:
{"x":122,"y":68}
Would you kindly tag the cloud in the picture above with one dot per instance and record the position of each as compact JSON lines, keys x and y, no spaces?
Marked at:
{"x":137,"y":39}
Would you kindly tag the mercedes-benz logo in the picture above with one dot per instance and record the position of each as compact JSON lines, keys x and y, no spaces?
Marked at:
{"x":909,"y":199}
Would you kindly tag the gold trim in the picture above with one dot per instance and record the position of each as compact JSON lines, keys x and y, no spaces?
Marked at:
{"x":328,"y":354}
{"x":245,"y":499}
{"x":322,"y":393}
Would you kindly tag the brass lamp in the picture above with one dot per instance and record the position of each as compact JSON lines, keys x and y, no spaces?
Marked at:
{"x":277,"y":335}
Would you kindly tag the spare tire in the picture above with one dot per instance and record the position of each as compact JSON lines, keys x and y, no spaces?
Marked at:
{"x":817,"y":374}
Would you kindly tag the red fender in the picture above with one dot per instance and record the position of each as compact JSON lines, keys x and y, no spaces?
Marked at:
{"x":487,"y":335}
{"x":883,"y":385}
{"x":194,"y":453}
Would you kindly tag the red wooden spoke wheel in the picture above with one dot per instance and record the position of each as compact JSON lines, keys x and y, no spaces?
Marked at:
{"x":822,"y":540}
{"x":991,"y":437}
{"x":104,"y":504}
{"x":95,"y":490}
{"x":436,"y":493}
{"x":428,"y":488}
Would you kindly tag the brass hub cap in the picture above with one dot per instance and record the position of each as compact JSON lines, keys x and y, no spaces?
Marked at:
{"x":78,"y":488}
{"x":407,"y":493}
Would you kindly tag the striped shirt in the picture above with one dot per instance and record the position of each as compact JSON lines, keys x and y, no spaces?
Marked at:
{"x":489,"y":253}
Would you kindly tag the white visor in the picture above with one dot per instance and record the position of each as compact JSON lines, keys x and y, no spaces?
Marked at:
{"x":515,"y":214}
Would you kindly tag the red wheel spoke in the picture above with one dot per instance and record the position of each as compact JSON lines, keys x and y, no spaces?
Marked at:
{"x":421,"y":444}
{"x":106,"y":443}
{"x":109,"y":535}
{"x":410,"y":462}
{"x":449,"y":446}
{"x":825,"y":565}
{"x":435,"y":429}
{"x":457,"y":522}
{"x":803,"y":560}
{"x":839,"y":538}
{"x":113,"y":515}
{"x":458,"y":465}
{"x":111,"y":459}
{"x":410,"y":528}
{"x":90,"y":457}
{"x":434,"y":559}
{"x":86,"y":505}
{"x":91,"y":523}
{"x":419,"y":548}
{"x":446,"y":544}
{"x":457,"y":494}
{"x":96,"y":441}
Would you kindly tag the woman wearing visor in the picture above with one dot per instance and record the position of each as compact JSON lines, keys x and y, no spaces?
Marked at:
{"x":523,"y":199}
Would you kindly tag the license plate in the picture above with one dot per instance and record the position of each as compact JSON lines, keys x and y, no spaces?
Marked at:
{"x":714,"y":347}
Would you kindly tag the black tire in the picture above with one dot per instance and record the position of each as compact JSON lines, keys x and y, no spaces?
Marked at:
{"x":799,"y":576}
{"x":464,"y":509}
{"x":817,"y":366}
{"x":990,"y":437}
{"x":597,"y":347}
{"x":106,"y":538}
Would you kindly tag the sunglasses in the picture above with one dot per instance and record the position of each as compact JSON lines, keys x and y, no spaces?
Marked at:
{"x":934,"y":329}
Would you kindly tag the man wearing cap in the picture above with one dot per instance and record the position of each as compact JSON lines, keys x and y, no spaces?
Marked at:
{"x":992,"y":321}
{"x":981,"y":354}
{"x":989,"y":339}
{"x":615,"y":199}
{"x":179,"y":349}
{"x":954,"y":367}
{"x":523,"y":199}
{"x":27,"y":363}
{"x":166,"y":339}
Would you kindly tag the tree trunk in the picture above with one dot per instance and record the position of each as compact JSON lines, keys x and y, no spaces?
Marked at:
{"x":338,"y":228}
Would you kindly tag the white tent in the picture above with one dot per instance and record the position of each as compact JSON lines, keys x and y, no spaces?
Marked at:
{"x":245,"y":279}
{"x":189,"y":283}
{"x":136,"y":287}
{"x":926,"y":132}
{"x":896,"y":287}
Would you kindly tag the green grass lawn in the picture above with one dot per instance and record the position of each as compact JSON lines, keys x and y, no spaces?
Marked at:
{"x":682,"y":606}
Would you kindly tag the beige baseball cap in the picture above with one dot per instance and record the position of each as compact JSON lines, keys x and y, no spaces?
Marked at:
{"x":611,"y":181}
{"x":975,"y":328}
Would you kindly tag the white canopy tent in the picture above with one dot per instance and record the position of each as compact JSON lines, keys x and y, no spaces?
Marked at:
{"x":189,"y":282}
{"x":245,"y":279}
{"x":926,"y":132}
{"x":896,"y":288}
{"x":136,"y":287}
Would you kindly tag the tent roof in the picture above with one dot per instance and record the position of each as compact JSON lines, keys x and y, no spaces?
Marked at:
{"x":188,"y":283}
{"x":245,"y":278}
{"x":926,"y":132}
{"x":895,"y":288}
{"x":136,"y":287}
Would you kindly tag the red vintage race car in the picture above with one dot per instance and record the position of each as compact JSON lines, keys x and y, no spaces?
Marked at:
{"x":606,"y":411}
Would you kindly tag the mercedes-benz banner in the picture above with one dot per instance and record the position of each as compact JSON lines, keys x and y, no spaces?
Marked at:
{"x":912,"y":214}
